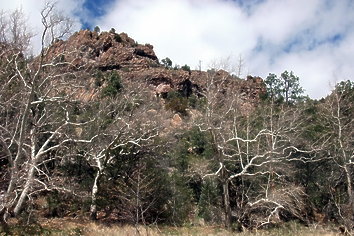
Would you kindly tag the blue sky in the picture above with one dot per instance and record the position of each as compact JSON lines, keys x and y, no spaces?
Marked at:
{"x":313,"y":38}
{"x":93,"y":9}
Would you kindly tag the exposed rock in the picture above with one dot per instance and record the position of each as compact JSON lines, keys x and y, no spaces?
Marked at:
{"x":145,"y":51}
{"x":176,"y":120}
{"x":91,"y":52}
{"x":106,"y":51}
{"x":193,"y":114}
{"x":127,"y":40}
{"x":163,"y":89}
{"x":253,"y":87}
{"x":78,"y":131}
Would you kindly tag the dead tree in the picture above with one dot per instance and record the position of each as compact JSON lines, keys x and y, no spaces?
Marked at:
{"x":337,"y":115}
{"x":36,"y":113}
{"x":125,"y":124}
{"x":253,"y":143}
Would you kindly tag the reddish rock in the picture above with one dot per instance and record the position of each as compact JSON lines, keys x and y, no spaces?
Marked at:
{"x":145,"y":51}
{"x":88,"y":52}
{"x":163,"y":89}
{"x":176,"y":120}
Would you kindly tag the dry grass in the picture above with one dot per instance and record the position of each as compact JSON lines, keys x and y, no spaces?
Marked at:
{"x":287,"y":230}
{"x":292,"y":229}
{"x":94,"y":230}
{"x":77,"y":227}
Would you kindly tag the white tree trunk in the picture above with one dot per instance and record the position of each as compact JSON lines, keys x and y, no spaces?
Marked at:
{"x":93,"y":207}
{"x":349,"y":189}
{"x":29,"y":181}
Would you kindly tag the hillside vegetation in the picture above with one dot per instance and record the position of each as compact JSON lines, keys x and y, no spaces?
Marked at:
{"x":96,"y":131}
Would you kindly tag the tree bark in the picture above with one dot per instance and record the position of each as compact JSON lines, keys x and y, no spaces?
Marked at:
{"x":225,"y":187}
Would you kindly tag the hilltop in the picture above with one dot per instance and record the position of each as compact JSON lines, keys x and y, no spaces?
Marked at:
{"x":93,"y":52}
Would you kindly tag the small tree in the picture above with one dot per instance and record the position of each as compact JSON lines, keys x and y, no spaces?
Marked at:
{"x":167,"y":62}
{"x":186,"y":68}
{"x":126,"y":126}
{"x":210,"y":202}
{"x":284,"y":89}
{"x":14,"y":31}
{"x":112,"y":31}
{"x":97,"y":29}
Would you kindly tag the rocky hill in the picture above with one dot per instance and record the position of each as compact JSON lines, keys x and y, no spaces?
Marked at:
{"x":90,"y":52}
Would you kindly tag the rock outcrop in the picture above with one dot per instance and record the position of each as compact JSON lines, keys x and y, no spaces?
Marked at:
{"x":91,"y":52}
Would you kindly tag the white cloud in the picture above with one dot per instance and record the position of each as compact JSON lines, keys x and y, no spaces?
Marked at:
{"x":278,"y":20}
{"x":322,"y":52}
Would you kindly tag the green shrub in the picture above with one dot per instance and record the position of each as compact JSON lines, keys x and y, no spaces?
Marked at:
{"x":177,"y":103}
{"x":154,"y":64}
{"x":117,"y":38}
{"x":125,"y":69}
{"x":186,"y":68}
{"x":196,"y":102}
{"x":99,"y":79}
{"x":114,"y":85}
{"x":62,"y":204}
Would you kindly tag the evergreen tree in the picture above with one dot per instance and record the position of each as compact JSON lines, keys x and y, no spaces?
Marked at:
{"x":210,"y":203}
{"x":167,"y":62}
{"x":97,"y":29}
{"x":285,"y":88}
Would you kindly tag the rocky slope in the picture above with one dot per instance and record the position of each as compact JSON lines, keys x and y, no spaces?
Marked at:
{"x":91,"y":52}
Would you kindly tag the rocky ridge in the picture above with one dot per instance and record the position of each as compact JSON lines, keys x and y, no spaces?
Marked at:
{"x":91,"y":51}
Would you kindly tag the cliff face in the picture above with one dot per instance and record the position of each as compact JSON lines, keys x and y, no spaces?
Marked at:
{"x":89,"y":52}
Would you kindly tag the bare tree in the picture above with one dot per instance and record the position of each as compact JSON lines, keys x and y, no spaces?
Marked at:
{"x":36,"y":113}
{"x":56,"y":24}
{"x":240,"y":66}
{"x":251,"y":147}
{"x":3,"y":26}
{"x":122,"y":122}
{"x":338,"y":140}
{"x":14,"y":30}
